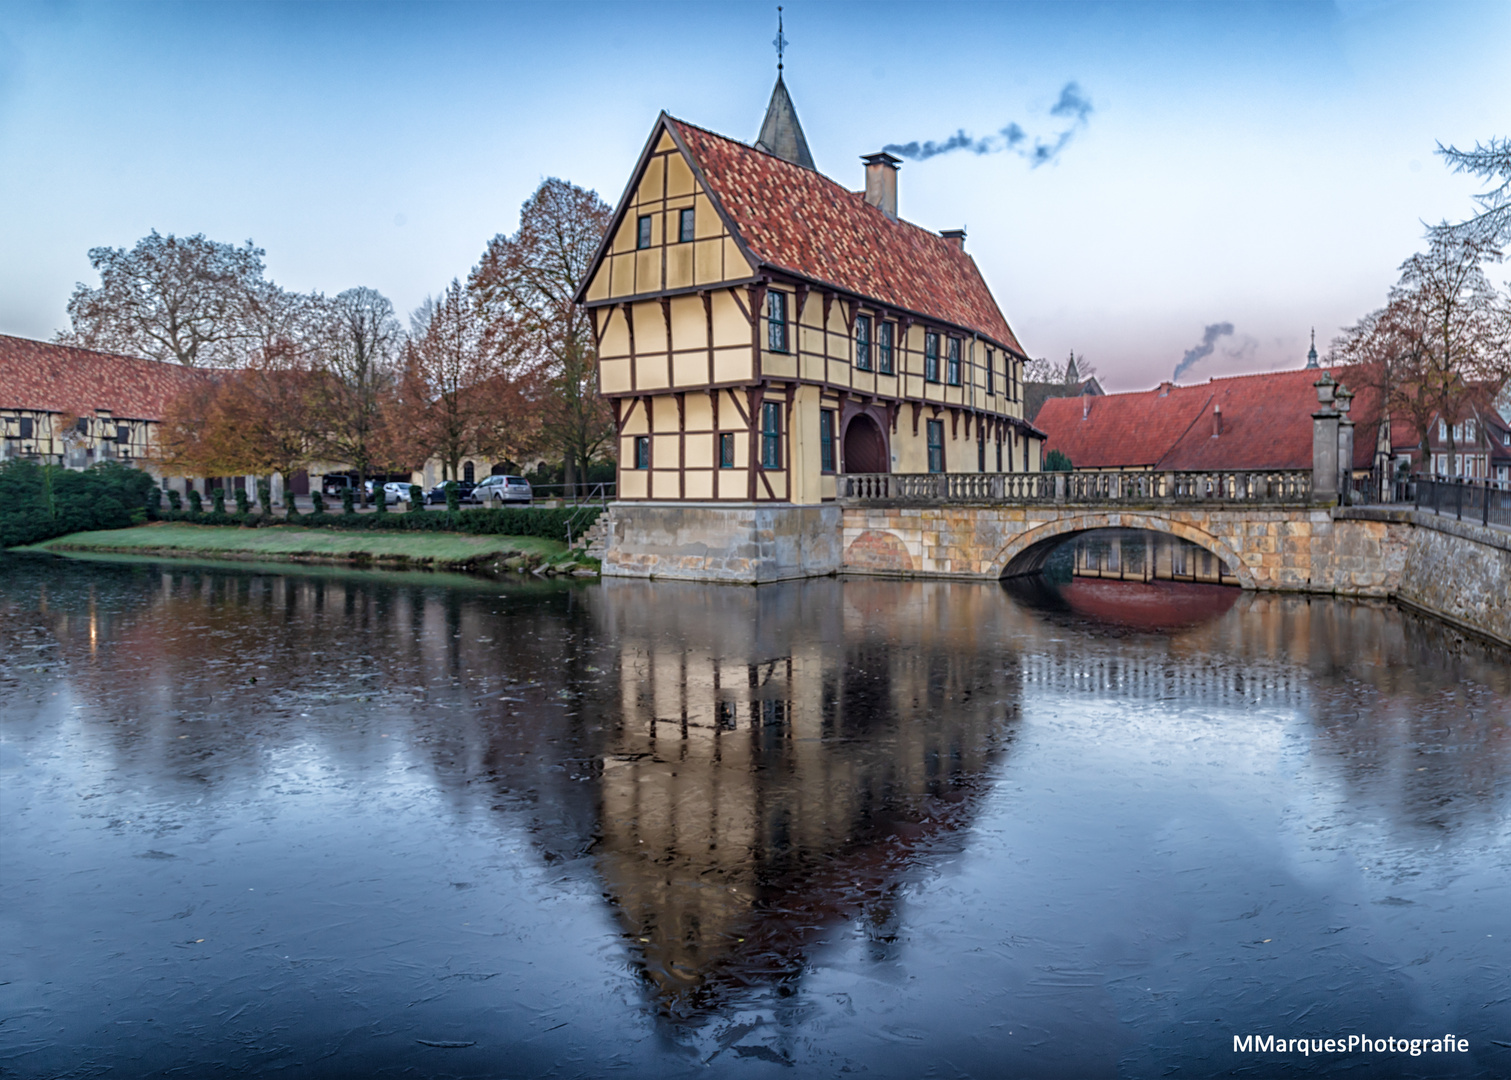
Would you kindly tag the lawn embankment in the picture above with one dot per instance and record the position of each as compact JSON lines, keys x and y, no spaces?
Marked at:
{"x":322,"y":545}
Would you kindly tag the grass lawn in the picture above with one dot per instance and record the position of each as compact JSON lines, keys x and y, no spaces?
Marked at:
{"x":438,"y":549}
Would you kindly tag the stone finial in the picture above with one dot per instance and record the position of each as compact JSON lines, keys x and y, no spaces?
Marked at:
{"x":1343,"y":398}
{"x":1325,"y":387}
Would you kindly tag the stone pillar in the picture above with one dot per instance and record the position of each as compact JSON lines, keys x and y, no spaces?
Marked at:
{"x":1325,"y":443}
{"x":1343,"y":399}
{"x":277,"y":483}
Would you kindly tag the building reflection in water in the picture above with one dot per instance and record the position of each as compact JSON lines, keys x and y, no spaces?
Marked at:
{"x":748,"y":773}
{"x":785,"y":758}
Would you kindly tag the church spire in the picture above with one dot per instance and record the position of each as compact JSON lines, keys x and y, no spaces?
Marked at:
{"x":781,"y":134}
{"x":1311,"y":356}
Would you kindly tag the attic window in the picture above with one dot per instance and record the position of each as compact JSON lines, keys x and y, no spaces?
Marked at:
{"x":685,"y":226}
{"x":643,"y":235}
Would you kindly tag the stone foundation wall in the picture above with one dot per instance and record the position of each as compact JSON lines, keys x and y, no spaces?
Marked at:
{"x":744,"y":543}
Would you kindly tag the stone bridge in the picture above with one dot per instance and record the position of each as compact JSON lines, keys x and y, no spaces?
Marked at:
{"x":1264,"y":526}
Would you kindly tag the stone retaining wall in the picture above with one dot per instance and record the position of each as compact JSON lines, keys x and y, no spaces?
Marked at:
{"x":1461,"y":573}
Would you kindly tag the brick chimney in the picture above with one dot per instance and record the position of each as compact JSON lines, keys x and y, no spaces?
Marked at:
{"x":955,"y":238}
{"x":881,"y":183}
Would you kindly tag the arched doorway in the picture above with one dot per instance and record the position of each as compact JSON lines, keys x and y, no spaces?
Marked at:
{"x":865,"y":447}
{"x":469,"y":473}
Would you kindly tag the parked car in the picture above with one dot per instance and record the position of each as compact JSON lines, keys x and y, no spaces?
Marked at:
{"x":464,"y":489}
{"x":495,"y":491}
{"x":396,"y":491}
{"x":335,"y":483}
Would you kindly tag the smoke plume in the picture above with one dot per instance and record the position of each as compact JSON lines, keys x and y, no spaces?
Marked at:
{"x":1209,"y":338}
{"x":1073,"y":105}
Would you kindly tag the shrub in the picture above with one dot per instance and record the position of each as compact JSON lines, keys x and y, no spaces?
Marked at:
{"x":317,"y":500}
{"x":38,"y":502}
{"x":218,"y":500}
{"x":348,"y":500}
{"x":380,"y":499}
{"x":1055,"y":461}
{"x":416,"y":499}
{"x":196,"y":502}
{"x":155,"y":499}
{"x":243,"y":502}
{"x":175,"y":501}
{"x":265,"y":495}
{"x":290,"y":505}
{"x":453,"y":497}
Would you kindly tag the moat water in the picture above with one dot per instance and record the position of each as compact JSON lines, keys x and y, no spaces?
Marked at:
{"x":274,"y":821}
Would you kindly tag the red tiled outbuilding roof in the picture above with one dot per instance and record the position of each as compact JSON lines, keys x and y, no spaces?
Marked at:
{"x":43,"y":377}
{"x":1266,"y":424}
{"x":796,"y":220}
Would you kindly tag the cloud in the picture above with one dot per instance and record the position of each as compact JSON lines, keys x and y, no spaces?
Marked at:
{"x":1209,"y":338}
{"x":1073,"y":105}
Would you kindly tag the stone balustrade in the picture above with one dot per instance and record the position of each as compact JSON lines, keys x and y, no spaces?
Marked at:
{"x":1133,"y":487}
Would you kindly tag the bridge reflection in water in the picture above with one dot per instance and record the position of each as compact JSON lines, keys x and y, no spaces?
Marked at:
{"x":1142,"y":555}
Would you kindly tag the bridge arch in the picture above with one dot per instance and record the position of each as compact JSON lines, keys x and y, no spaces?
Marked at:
{"x":1027,"y":552}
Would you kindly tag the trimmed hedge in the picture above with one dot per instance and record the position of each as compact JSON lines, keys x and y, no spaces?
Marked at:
{"x":38,"y":502}
{"x":549,"y":524}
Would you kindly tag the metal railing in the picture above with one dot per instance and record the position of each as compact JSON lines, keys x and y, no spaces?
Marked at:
{"x":1113,"y":486}
{"x":1487,"y":502}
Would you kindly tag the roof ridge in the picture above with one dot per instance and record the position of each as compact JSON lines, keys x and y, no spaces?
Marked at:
{"x":92,"y":352}
{"x":859,"y":196}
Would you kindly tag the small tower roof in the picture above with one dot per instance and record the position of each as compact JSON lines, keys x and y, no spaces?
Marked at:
{"x":1311,"y":356}
{"x":781,"y":134}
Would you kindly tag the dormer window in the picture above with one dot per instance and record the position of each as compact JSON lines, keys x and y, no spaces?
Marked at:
{"x":643,"y":235}
{"x":863,"y":343}
{"x":686,"y":226}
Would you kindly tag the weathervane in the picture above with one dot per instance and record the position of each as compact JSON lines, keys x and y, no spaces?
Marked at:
{"x":780,"y":42}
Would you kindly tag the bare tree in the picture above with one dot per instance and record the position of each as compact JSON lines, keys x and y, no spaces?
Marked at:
{"x":458,"y":396}
{"x":1440,"y":345}
{"x":177,"y":299}
{"x":357,"y":352}
{"x":1491,"y":161}
{"x":525,"y":286}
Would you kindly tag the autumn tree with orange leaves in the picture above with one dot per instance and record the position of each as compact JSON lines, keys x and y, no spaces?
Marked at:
{"x":257,"y":420}
{"x":525,"y":287}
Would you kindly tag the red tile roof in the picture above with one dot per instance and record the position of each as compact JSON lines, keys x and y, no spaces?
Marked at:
{"x":42,"y":377}
{"x":797,"y":220}
{"x":1266,"y":424}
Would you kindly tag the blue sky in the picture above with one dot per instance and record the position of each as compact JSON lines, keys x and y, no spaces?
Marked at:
{"x":1267,"y":165}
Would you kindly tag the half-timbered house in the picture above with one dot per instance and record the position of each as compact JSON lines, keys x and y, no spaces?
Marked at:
{"x":762,"y":328}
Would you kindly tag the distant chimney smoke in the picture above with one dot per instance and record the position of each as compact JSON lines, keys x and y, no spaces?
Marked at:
{"x":956,"y":238}
{"x":881,"y":183}
{"x":1216,"y":420}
